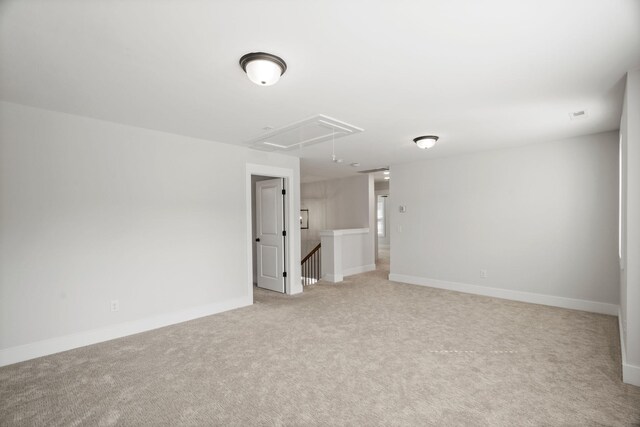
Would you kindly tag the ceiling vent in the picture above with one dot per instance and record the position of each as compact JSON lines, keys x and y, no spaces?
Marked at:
{"x":312,"y":130}
{"x":578,"y":115}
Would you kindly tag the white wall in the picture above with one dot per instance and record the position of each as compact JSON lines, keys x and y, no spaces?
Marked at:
{"x":382,"y":186}
{"x":630,"y":262}
{"x":92,"y":211}
{"x":335,"y":204}
{"x":541,"y":219}
{"x":346,"y":252}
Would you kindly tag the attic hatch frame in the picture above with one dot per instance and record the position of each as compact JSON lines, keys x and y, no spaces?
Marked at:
{"x":319,"y":128}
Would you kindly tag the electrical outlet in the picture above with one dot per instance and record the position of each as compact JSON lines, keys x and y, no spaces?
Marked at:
{"x":115,"y":305}
{"x":483,"y":273}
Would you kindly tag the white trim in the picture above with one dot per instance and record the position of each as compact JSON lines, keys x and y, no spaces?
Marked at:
{"x":630,"y":373}
{"x":357,"y":270}
{"x":333,"y":278}
{"x":294,"y":284}
{"x":68,"y":342}
{"x":344,"y":232}
{"x":552,"y":300}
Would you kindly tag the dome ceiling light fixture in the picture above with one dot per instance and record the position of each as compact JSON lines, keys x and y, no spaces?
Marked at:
{"x":264,"y":69}
{"x":426,"y":141}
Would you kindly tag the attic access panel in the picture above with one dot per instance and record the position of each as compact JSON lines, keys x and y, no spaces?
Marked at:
{"x":313,"y":130}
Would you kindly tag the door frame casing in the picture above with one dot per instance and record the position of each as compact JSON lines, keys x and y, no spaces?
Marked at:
{"x":275,"y":205}
{"x":293,"y":285}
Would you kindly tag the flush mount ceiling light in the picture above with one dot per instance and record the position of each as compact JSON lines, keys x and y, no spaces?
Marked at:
{"x":263,"y":68}
{"x":426,"y":141}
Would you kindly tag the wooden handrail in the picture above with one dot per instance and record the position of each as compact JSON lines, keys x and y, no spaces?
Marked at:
{"x":313,"y":251}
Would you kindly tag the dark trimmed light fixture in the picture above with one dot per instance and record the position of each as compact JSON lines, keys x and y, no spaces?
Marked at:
{"x":264,"y":69}
{"x":426,"y":141}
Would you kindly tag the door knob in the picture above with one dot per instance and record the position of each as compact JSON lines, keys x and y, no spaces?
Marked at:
{"x":257,"y":239}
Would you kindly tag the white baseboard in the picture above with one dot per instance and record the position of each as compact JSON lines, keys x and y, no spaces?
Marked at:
{"x":552,"y":300}
{"x":333,"y":278}
{"x":630,"y":373}
{"x":358,"y":270}
{"x":68,"y":342}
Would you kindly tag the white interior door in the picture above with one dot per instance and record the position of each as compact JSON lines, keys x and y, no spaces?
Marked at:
{"x":270,"y":234}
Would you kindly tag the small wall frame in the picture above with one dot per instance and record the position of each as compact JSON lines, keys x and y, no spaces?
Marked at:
{"x":304,"y":219}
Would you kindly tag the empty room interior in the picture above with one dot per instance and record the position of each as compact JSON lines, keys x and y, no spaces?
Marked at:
{"x":320,"y":213}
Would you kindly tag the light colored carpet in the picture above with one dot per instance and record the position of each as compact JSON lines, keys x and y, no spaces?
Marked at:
{"x":364,"y":352}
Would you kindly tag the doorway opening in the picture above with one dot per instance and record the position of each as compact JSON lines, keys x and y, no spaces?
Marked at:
{"x":273,"y":263}
{"x":269,"y":232}
{"x":383,"y":230}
